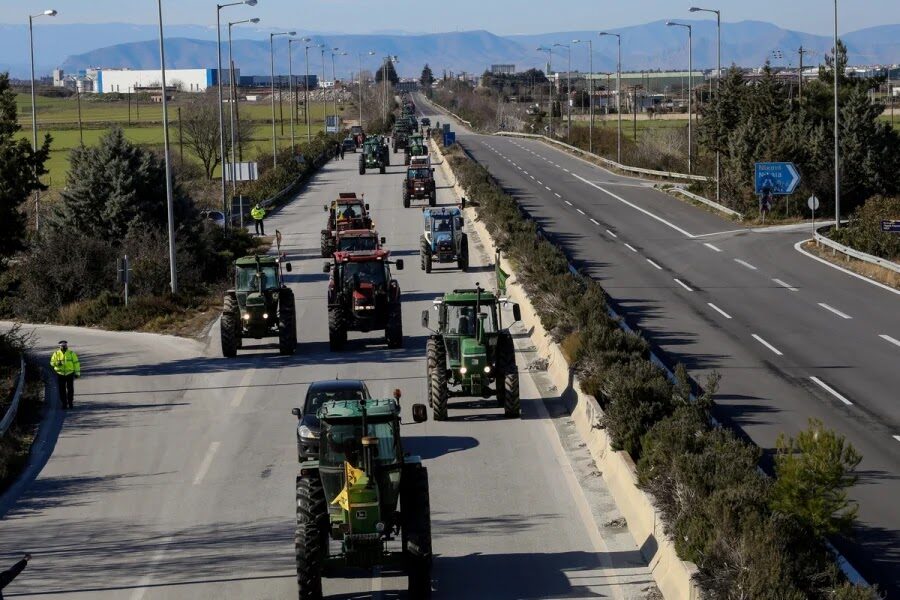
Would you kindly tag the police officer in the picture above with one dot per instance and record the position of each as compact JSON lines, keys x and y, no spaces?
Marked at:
{"x":68,"y":369}
{"x":7,"y":576}
{"x":259,"y":213}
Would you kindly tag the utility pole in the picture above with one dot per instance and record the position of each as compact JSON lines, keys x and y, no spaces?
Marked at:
{"x":837,"y":135}
{"x":618,"y":37}
{"x":170,"y":204}
{"x":37,"y":193}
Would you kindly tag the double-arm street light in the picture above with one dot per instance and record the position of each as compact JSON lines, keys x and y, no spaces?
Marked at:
{"x":690,"y":30}
{"x":322,"y":48}
{"x":293,"y":87}
{"x":549,"y":52}
{"x":37,"y":194}
{"x":170,"y":205}
{"x":718,"y":14}
{"x":219,"y":8}
{"x":272,"y":60}
{"x":618,"y":37}
{"x":568,"y":92}
{"x":231,"y":102}
{"x":590,"y":44}
{"x":359,"y":56}
{"x":334,"y":52}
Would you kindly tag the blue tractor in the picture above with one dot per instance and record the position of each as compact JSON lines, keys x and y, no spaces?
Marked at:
{"x":444,"y":240}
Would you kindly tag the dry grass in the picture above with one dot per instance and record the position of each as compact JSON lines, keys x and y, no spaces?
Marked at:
{"x":15,"y":446}
{"x":874,"y":272}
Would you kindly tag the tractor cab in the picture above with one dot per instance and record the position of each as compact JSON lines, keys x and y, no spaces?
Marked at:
{"x":358,"y":240}
{"x":443,"y":240}
{"x":346,"y":213}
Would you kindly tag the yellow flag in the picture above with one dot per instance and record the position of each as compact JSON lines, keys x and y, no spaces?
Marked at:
{"x":353,"y":476}
{"x":343,"y":499}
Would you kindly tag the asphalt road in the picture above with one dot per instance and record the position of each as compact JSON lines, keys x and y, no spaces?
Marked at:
{"x":793,"y":338}
{"x":174,"y":475}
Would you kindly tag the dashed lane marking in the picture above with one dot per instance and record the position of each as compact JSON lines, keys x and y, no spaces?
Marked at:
{"x":630,"y":247}
{"x":654,"y":264}
{"x":768,"y":345}
{"x":835,"y":311}
{"x":611,"y":233}
{"x":830,"y":390}
{"x":744,"y":263}
{"x":682,"y":284}
{"x":711,"y":247}
{"x":719,"y":310}
{"x":888,"y":338}
{"x":207,"y":461}
{"x":785,"y":285}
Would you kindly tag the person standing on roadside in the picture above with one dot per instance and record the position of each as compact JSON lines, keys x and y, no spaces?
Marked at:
{"x":7,"y":576}
{"x":259,"y":213}
{"x":68,"y":369}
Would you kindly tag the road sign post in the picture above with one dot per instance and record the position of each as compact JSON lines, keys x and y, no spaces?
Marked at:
{"x":813,"y":204}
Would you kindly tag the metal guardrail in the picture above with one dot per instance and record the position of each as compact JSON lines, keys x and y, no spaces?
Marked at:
{"x":606,"y":161}
{"x":881,"y":262}
{"x":13,"y":409}
{"x":708,"y":202}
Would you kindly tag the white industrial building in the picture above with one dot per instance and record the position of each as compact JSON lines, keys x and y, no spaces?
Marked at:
{"x":128,"y":80}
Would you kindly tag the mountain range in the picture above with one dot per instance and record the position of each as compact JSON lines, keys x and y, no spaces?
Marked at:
{"x":650,"y":46}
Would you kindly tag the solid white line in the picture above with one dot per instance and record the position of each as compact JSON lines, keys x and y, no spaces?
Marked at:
{"x":638,"y":208}
{"x":785,"y":285}
{"x":630,"y":247}
{"x":745,"y":263}
{"x":557,"y":195}
{"x":799,"y":248}
{"x":835,"y":311}
{"x":207,"y":461}
{"x":654,"y":264}
{"x":888,"y":338}
{"x":611,"y":233}
{"x":579,"y":210}
{"x":682,"y":284}
{"x":719,"y":310}
{"x":767,"y":345}
{"x":830,"y":390}
{"x":710,"y":246}
{"x":594,"y":221}
{"x":569,"y":203}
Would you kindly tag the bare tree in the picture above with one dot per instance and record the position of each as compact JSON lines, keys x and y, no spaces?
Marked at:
{"x":200,"y":123}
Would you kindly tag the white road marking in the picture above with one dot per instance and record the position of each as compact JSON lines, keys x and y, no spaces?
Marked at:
{"x":835,"y":311}
{"x":897,"y":437}
{"x":682,"y":284}
{"x":799,"y":248}
{"x":548,"y":188}
{"x":638,"y":208}
{"x":532,"y":176}
{"x":719,"y":310}
{"x":745,"y":264}
{"x":768,"y":345}
{"x":594,"y":221}
{"x":147,"y":579}
{"x":567,"y":171}
{"x":654,"y":264}
{"x":526,"y":172}
{"x":630,"y":247}
{"x":207,"y":461}
{"x":243,"y":387}
{"x":785,"y":285}
{"x":377,"y":583}
{"x":721,"y":233}
{"x":569,"y":203}
{"x":579,"y":210}
{"x":888,"y":338}
{"x":557,"y":195}
{"x":540,"y":182}
{"x":611,"y":233}
{"x":711,"y":247}
{"x":830,"y":390}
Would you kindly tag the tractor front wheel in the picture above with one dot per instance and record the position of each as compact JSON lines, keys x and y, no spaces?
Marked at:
{"x":325,"y":244}
{"x":362,"y":164}
{"x":508,"y":378}
{"x":382,"y":169}
{"x":439,"y":392}
{"x":405,"y":198}
{"x":415,"y":508}
{"x":424,"y":255}
{"x":337,"y":328}
{"x":432,"y":198}
{"x":434,"y":353}
{"x":287,"y":323}
{"x":310,"y":537}
{"x":229,"y":327}
{"x":393,"y":333}
{"x":463,"y":254}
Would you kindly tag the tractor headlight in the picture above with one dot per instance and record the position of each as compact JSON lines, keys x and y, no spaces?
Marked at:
{"x":487,"y":369}
{"x":246,"y":316}
{"x":463,"y":370}
{"x":379,"y":527}
{"x":306,"y":433}
{"x":265,"y":315}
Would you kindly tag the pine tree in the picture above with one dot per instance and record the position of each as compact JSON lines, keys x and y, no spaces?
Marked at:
{"x":21,"y":166}
{"x":427,"y":78}
{"x":392,"y":77}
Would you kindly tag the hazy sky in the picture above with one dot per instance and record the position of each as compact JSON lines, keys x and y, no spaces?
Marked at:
{"x":497,"y":16}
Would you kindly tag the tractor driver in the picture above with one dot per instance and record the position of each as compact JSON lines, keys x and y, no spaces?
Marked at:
{"x":348,"y":213}
{"x":443,"y":225}
{"x":467,"y":321}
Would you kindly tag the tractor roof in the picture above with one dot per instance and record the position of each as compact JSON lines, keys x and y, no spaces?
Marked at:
{"x":346,"y":199}
{"x":360,"y":233}
{"x":469,"y":296}
{"x":250,"y":261}
{"x":441,"y":212}
{"x":351,"y":409}
{"x":361,"y":255}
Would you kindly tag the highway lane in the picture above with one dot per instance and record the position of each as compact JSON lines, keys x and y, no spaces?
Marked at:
{"x":721,"y":297}
{"x":173,"y":478}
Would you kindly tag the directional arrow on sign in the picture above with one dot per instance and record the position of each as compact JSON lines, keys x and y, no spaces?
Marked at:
{"x":776,"y":178}
{"x":795,"y":178}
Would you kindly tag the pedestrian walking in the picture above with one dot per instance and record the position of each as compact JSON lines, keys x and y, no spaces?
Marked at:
{"x":7,"y":576}
{"x":342,"y":151}
{"x":68,"y":369}
{"x":259,"y":214}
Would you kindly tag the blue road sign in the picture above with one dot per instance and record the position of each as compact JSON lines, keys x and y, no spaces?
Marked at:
{"x":449,"y":138}
{"x":776,"y":178}
{"x":890,"y":226}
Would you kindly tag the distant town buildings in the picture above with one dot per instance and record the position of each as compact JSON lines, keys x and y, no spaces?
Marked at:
{"x":128,"y":81}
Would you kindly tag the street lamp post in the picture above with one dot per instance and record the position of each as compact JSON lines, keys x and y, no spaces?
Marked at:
{"x":590,"y":44}
{"x":272,"y":59}
{"x":718,"y":14}
{"x":549,"y":52}
{"x":293,"y":88}
{"x":324,"y":90}
{"x":690,"y":30}
{"x":306,"y":91}
{"x":334,"y":52}
{"x":232,"y":99}
{"x":837,"y":135}
{"x":568,"y":92}
{"x":618,"y":37}
{"x":170,"y":204}
{"x":37,"y":194}
{"x":359,"y":56}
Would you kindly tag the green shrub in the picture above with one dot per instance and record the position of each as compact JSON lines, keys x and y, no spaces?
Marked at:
{"x":864,"y":232}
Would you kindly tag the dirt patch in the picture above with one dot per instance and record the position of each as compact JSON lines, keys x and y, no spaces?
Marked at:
{"x":868,"y":270}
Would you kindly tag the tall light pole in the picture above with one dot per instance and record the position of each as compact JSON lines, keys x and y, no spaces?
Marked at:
{"x":837,"y":135}
{"x":590,"y":44}
{"x":272,"y":59}
{"x":306,"y":91}
{"x":170,"y":204}
{"x":231,"y":102}
{"x":718,"y":14}
{"x":690,"y":30}
{"x":618,"y":37}
{"x":322,"y":48}
{"x":359,"y":56}
{"x":549,"y":52}
{"x":334,"y":52}
{"x":219,"y":8}
{"x":293,"y":88}
{"x":37,"y":194}
{"x":568,"y":92}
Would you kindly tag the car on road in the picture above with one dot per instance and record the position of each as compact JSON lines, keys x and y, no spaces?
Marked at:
{"x":320,"y":392}
{"x":349,"y":144}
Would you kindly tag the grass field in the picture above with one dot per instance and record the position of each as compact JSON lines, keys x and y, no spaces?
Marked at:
{"x":628,"y":125}
{"x":59,"y":118}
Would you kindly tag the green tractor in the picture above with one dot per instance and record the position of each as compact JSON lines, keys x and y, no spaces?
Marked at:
{"x":347,"y":513}
{"x":470,"y":350}
{"x":259,"y":306}
{"x":416,"y":147}
{"x":374,"y":155}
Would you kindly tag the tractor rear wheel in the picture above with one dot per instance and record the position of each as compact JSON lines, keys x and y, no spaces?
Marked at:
{"x":337,"y":328}
{"x":310,"y":537}
{"x":424,"y":254}
{"x":439,"y":393}
{"x":415,"y":510}
{"x":507,"y":377}
{"x":362,"y":164}
{"x":393,"y":333}
{"x":405,"y":198}
{"x":229,"y":327}
{"x":463,"y":255}
{"x":287,"y":323}
{"x":433,"y":353}
{"x":432,"y":198}
{"x":325,"y":244}
{"x":382,"y":168}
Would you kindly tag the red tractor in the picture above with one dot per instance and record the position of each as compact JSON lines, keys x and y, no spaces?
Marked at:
{"x":346,"y":213}
{"x":363,"y":296}
{"x":358,"y":240}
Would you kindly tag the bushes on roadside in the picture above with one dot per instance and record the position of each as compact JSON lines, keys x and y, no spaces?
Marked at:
{"x":864,"y":232}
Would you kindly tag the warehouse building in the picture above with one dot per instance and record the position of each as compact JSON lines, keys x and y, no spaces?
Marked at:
{"x":127,"y":80}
